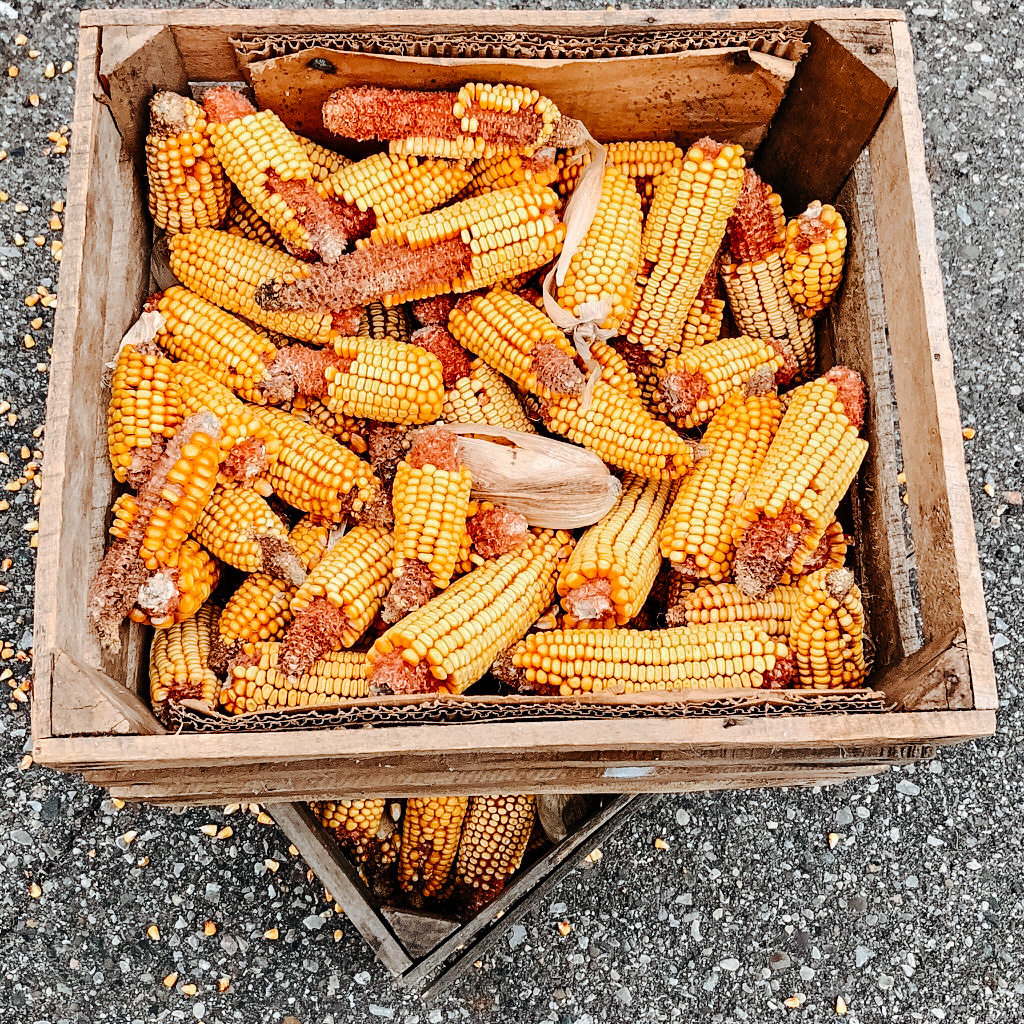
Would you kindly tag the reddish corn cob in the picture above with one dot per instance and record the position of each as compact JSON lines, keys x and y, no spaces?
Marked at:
{"x":179,"y":666}
{"x":696,"y":534}
{"x":612,"y":568}
{"x":792,"y":498}
{"x":144,"y":410}
{"x":430,"y":839}
{"x":187,"y":185}
{"x":752,"y":232}
{"x":256,"y":681}
{"x":827,"y":631}
{"x":814,"y":253}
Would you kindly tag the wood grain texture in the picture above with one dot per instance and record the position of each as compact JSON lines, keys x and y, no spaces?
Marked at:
{"x":81,"y":679}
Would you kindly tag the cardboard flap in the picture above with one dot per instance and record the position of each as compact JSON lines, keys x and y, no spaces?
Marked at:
{"x":729,"y":93}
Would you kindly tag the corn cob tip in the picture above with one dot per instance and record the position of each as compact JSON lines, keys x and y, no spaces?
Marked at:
{"x":435,"y":339}
{"x":851,"y":394}
{"x":761,"y":381}
{"x":311,"y":635}
{"x":497,"y":530}
{"x":281,"y":560}
{"x":224,"y":104}
{"x":392,"y":675}
{"x":412,"y":589}
{"x":169,"y":113}
{"x":838,"y":583}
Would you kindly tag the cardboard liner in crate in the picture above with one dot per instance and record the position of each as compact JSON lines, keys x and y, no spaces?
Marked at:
{"x":429,"y":709}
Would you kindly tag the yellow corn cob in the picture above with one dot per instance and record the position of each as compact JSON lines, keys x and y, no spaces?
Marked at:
{"x":644,"y":159}
{"x":179,"y":662}
{"x":353,"y":576}
{"x":605,"y":265}
{"x":396,"y":187}
{"x":725,"y":602}
{"x":615,"y":370}
{"x":198,"y":332}
{"x":249,"y":148}
{"x":618,"y":429}
{"x":430,"y":506}
{"x":244,"y":221}
{"x":613,"y":566}
{"x":227,"y":270}
{"x":258,"y":610}
{"x":239,"y":422}
{"x":144,"y":405}
{"x":430,"y":839}
{"x":313,"y":472}
{"x":827,"y":631}
{"x":192,"y":572}
{"x":829,"y":554}
{"x":256,"y":683}
{"x":695,"y":383}
{"x":379,"y":322}
{"x":495,"y":834}
{"x":814,"y":253}
{"x":574,"y":661}
{"x":240,"y":528}
{"x":385,"y":380}
{"x":351,"y":431}
{"x":324,"y":161}
{"x":762,"y":307}
{"x":450,"y":642}
{"x":187,"y":185}
{"x":354,"y":823}
{"x":792,"y":499}
{"x":569,"y":165}
{"x":703,"y":322}
{"x":518,"y":340}
{"x":696,"y":534}
{"x":310,"y":540}
{"x":485,"y":397}
{"x":509,"y":170}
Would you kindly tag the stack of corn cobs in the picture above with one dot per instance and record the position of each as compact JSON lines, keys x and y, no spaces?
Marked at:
{"x":286,"y":376}
{"x":452,"y":853}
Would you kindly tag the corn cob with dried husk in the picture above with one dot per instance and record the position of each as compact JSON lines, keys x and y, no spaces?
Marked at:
{"x":509,"y":170}
{"x":605,"y":265}
{"x":431,"y":827}
{"x":313,"y":472}
{"x":339,"y":599}
{"x":355,"y":824}
{"x":612,"y":568}
{"x":179,"y":666}
{"x":477,"y":122}
{"x":244,"y":221}
{"x":725,"y":602}
{"x":430,"y":498}
{"x":144,"y":410}
{"x":813,"y":257}
{"x":682,"y":234}
{"x":792,"y":499}
{"x":472,"y":244}
{"x":449,"y":643}
{"x":256,"y":682}
{"x":827,"y":631}
{"x":495,"y":834}
{"x":696,"y":534}
{"x":271,"y":168}
{"x":484,"y":396}
{"x":696,"y":383}
{"x":518,"y":340}
{"x":187,"y":185}
{"x":622,"y":432}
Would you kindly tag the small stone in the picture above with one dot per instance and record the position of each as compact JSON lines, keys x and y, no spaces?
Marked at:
{"x":844,"y":816}
{"x":885,"y":982}
{"x":381,"y":1011}
{"x":999,"y":642}
{"x":912,"y":882}
{"x":807,"y":973}
{"x":907,"y":788}
{"x":682,"y":816}
{"x":730,"y":963}
{"x":362,"y":978}
{"x":862,"y":955}
{"x":313,"y":923}
{"x":624,"y":996}
{"x":517,"y":936}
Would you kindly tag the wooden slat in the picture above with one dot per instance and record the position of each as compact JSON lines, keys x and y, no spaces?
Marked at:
{"x":81,"y":679}
{"x":831,"y":108}
{"x":320,"y":851}
{"x":941,"y":517}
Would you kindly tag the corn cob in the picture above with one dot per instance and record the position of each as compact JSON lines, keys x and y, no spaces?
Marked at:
{"x":615,"y":369}
{"x":725,"y":602}
{"x":354,"y":823}
{"x":396,"y":187}
{"x":187,"y":185}
{"x":605,"y":265}
{"x":179,"y":662}
{"x":227,"y":270}
{"x":509,"y":170}
{"x":239,"y":527}
{"x":244,"y":221}
{"x":339,"y":599}
{"x":313,"y":472}
{"x":569,"y":165}
{"x":310,"y":540}
{"x":677,"y":592}
{"x":827,"y":631}
{"x":696,"y":534}
{"x":450,"y":642}
{"x":494,"y":530}
{"x":518,"y":340}
{"x":814,"y":253}
{"x":485,"y":397}
{"x":695,"y":383}
{"x":495,"y":834}
{"x":681,"y":237}
{"x":144,"y":409}
{"x":792,"y":498}
{"x":829,"y":554}
{"x":477,"y":122}
{"x":472,"y":244}
{"x":258,"y":610}
{"x":432,"y":311}
{"x":618,"y":429}
{"x":384,"y":380}
{"x":644,"y":159}
{"x":430,"y":840}
{"x":256,"y":681}
{"x":351,"y":431}
{"x":703,"y":322}
{"x":324,"y":161}
{"x":574,"y":661}
{"x":612,"y":569}
{"x":381,"y":322}
{"x":753,"y":230}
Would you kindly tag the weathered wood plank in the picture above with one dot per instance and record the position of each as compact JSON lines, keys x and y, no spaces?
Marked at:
{"x":81,"y":679}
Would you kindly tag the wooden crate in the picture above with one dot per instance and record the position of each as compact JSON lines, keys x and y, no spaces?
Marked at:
{"x":848,"y":129}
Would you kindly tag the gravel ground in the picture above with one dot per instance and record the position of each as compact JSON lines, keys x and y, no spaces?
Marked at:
{"x":747,"y":914}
